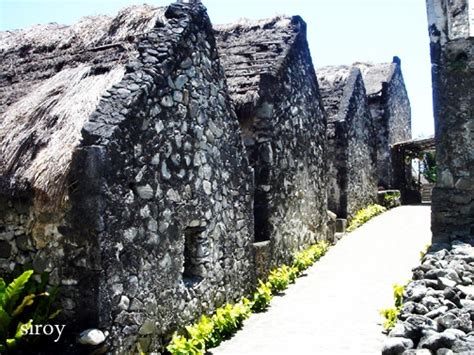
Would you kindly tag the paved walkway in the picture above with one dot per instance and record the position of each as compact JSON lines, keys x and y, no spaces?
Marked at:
{"x":335,"y":308}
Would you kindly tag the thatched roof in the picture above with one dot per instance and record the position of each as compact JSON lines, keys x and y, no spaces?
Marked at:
{"x":88,"y":32}
{"x":376,"y":74}
{"x":249,"y":49}
{"x":53,"y":77}
{"x":332,"y":81}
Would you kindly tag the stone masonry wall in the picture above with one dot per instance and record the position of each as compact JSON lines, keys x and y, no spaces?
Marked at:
{"x":274,"y":88}
{"x":396,"y":120}
{"x":332,"y":82}
{"x":158,"y":224}
{"x":337,"y":169}
{"x":390,"y":108}
{"x":176,"y":187}
{"x":452,"y":57}
{"x":361,"y":149}
{"x":59,"y":237}
{"x":351,"y":141}
{"x":296,"y":155}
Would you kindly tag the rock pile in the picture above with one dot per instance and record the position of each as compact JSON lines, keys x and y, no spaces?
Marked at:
{"x":438,"y":309}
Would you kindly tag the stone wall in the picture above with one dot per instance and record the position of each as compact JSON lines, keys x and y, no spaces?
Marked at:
{"x":351,"y":141}
{"x":273,"y":85}
{"x":57,"y":233}
{"x":390,"y":108}
{"x":452,"y":48}
{"x":158,"y":224}
{"x":181,"y":207}
{"x":438,"y":305}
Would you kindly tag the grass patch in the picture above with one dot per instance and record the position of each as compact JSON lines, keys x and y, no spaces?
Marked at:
{"x":210,"y":331}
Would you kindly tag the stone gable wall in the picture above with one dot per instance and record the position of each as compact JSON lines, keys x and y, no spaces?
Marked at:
{"x":176,"y":188}
{"x":361,"y":151}
{"x":391,"y":112}
{"x":452,"y":58}
{"x":351,"y":143}
{"x":297,"y":169}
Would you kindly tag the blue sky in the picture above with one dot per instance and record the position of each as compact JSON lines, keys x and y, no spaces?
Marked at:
{"x":339,"y":32}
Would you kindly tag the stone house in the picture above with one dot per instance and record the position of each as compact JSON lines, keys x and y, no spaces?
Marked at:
{"x":352,"y":151}
{"x":273,"y":86}
{"x":123,"y":172}
{"x":390,"y":108}
{"x":451,"y":30}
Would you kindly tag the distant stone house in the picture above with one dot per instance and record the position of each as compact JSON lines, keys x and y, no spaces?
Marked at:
{"x":390,"y":108}
{"x":273,"y":86}
{"x":123,"y":171}
{"x":352,"y":152}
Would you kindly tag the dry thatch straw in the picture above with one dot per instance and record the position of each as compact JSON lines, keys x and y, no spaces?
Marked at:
{"x":246,"y":51}
{"x":39,"y":133}
{"x":279,"y":21}
{"x":90,"y":31}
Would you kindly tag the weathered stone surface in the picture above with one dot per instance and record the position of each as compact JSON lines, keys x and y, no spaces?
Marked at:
{"x":157,"y":225}
{"x":351,"y":140}
{"x":452,"y":58}
{"x":390,"y":109}
{"x":396,"y":346}
{"x":434,"y":341}
{"x":273,"y":85}
{"x":448,"y":324}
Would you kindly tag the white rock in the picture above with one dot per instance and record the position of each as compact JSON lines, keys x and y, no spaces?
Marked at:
{"x":91,"y":337}
{"x":145,"y":192}
{"x":467,"y":290}
{"x":124,"y":303}
{"x":207,"y":187}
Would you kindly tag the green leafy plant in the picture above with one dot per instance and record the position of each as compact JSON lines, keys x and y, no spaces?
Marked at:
{"x":262,"y":297}
{"x":428,"y":166}
{"x":304,"y":259}
{"x":391,"y":314}
{"x":390,"y":199}
{"x":24,"y":302}
{"x":391,"y":317}
{"x":424,"y":251}
{"x":279,"y":280}
{"x":201,"y":332}
{"x":398,"y":294}
{"x":364,"y":215}
{"x":209,"y":332}
{"x":180,"y":345}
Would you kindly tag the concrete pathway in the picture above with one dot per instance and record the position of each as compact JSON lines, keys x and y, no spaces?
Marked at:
{"x":335,"y":308}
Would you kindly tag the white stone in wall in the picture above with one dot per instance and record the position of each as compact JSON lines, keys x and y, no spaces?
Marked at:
{"x":458,"y":19}
{"x":453,"y":19}
{"x":471,"y":18}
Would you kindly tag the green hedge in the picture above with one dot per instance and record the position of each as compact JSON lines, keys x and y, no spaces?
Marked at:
{"x":364,"y":215}
{"x":208,"y":332}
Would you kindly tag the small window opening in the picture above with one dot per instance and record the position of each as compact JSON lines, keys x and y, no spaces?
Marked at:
{"x":261,"y":213}
{"x":196,"y":255}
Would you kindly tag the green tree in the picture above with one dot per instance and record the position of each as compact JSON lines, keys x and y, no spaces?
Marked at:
{"x":428,"y":166}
